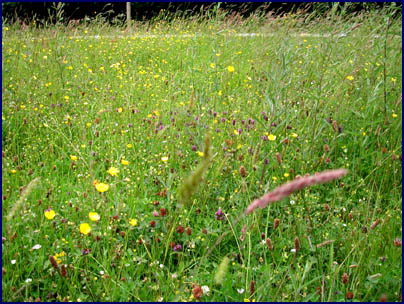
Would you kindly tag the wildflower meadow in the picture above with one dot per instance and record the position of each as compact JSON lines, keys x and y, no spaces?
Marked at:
{"x":210,"y":158}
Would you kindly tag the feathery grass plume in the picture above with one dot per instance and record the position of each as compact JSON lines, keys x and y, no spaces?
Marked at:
{"x":63,"y":271}
{"x":324,"y":243}
{"x":278,"y":158}
{"x":24,"y":194}
{"x":276,"y":223}
{"x":191,"y":182}
{"x":242,"y":171}
{"x":252,"y":288}
{"x":53,"y":262}
{"x":269,"y":244}
{"x":375,"y":223}
{"x":221,"y":271}
{"x":297,"y":184}
{"x":257,"y":153}
{"x":297,"y":244}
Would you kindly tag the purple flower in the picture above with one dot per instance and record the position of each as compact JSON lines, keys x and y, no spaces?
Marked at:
{"x":234,"y":122}
{"x":193,"y":148}
{"x":219,"y":215}
{"x":177,"y":247}
{"x":85,"y":251}
{"x":155,"y":213}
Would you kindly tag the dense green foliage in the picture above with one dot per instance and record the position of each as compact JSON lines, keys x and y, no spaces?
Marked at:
{"x":113,"y":122}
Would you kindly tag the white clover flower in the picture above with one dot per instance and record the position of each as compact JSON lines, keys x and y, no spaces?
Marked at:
{"x":36,"y":247}
{"x":240,"y":291}
{"x":205,"y":289}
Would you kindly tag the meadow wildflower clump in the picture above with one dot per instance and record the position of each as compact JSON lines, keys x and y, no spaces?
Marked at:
{"x":171,"y":161}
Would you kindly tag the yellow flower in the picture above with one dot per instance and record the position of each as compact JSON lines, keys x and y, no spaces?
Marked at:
{"x":201,"y":154}
{"x":230,"y":68}
{"x":13,"y":171}
{"x":58,"y":255}
{"x":113,"y":171}
{"x":124,"y":162}
{"x":129,"y":146}
{"x":393,"y":79}
{"x":133,"y":222}
{"x":120,"y":110}
{"x":294,"y":135}
{"x":271,"y":137}
{"x":235,"y":132}
{"x":349,"y":77}
{"x":212,"y":65}
{"x":88,"y":124}
{"x":286,"y":174}
{"x":94,"y":216}
{"x":394,"y":115}
{"x":101,"y":187}
{"x":85,"y":228}
{"x":164,"y":158}
{"x":73,"y":157}
{"x":50,"y":214}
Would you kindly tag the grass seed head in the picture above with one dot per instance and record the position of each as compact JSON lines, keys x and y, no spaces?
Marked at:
{"x":221,"y":271}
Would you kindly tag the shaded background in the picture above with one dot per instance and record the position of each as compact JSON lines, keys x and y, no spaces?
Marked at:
{"x":63,"y":12}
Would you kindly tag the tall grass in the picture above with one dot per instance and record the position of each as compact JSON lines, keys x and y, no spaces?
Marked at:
{"x":90,"y":105}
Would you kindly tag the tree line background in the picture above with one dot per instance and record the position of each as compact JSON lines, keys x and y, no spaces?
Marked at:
{"x":64,"y":12}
